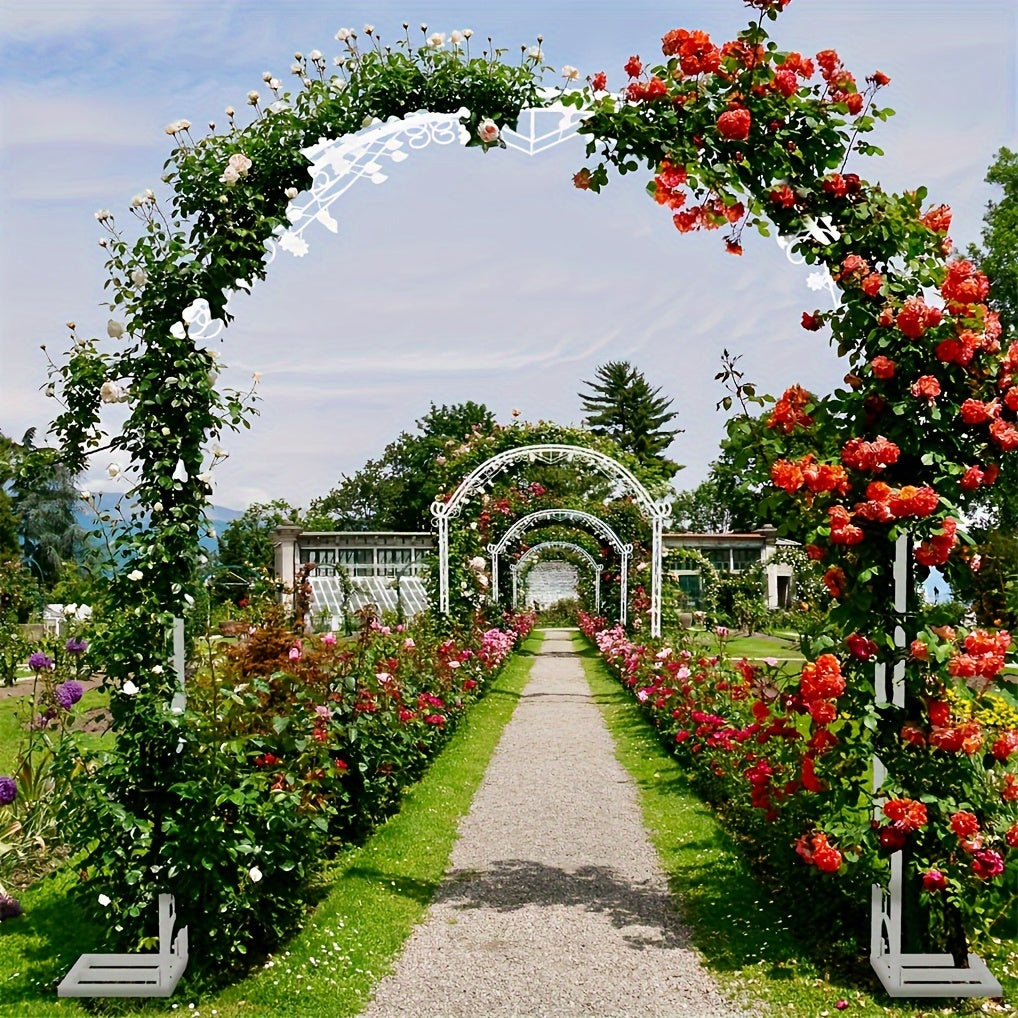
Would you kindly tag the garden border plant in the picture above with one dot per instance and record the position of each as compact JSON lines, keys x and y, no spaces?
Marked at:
{"x":733,"y":135}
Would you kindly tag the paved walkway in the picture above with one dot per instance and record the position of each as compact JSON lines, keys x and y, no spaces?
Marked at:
{"x":554,"y":905}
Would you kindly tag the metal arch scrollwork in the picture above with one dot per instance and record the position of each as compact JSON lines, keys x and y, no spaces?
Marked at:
{"x":528,"y":522}
{"x":338,"y":163}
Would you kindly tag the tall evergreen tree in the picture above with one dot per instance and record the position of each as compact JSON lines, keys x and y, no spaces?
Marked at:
{"x":622,"y":405}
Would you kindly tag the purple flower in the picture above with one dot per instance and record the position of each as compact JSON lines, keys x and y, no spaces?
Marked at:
{"x":76,"y":645}
{"x":10,"y":907}
{"x":39,"y":662}
{"x":68,"y":694}
{"x":8,"y":790}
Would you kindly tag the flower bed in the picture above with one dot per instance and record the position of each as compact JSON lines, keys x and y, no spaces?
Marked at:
{"x":290,"y":747}
{"x":789,"y":772}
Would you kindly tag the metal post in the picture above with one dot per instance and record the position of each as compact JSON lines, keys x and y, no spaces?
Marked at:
{"x":624,"y":590}
{"x":597,"y":589}
{"x":655,"y":577}
{"x":494,"y":573}
{"x":910,"y":975}
{"x":443,"y":561}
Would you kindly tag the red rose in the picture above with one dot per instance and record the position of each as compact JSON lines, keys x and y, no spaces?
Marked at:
{"x":879,"y":79}
{"x":964,"y":824}
{"x":634,"y":67}
{"x":883,"y":367}
{"x":934,"y":880}
{"x":734,"y":124}
{"x":785,"y":82}
{"x":892,"y":839}
{"x":599,"y":82}
{"x":926,"y":387}
{"x":812,"y":322}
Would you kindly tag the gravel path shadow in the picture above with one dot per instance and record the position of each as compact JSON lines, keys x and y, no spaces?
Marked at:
{"x":554,"y":904}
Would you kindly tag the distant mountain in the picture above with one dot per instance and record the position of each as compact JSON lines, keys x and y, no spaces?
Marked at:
{"x":106,"y":502}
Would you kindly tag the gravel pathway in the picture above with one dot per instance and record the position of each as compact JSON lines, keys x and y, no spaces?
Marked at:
{"x":554,"y":906}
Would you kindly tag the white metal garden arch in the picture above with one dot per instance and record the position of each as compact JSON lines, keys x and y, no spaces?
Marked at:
{"x":654,"y":511}
{"x":578,"y":516}
{"x":516,"y":568}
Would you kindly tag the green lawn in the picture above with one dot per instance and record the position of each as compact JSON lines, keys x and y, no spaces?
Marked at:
{"x":15,"y":712}
{"x":373,"y":896}
{"x":744,"y":933}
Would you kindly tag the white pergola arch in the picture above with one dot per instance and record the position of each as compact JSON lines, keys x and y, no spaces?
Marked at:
{"x":576,"y":516}
{"x":517,"y":567}
{"x":655,"y":511}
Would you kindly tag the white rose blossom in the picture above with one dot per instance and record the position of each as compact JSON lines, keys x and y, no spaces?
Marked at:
{"x":343,"y":34}
{"x":139,"y":277}
{"x":570,"y":73}
{"x":291,"y":193}
{"x":135,"y":575}
{"x":255,"y":874}
{"x":252,"y":98}
{"x":436,"y":39}
{"x":114,"y":329}
{"x":113,"y":469}
{"x":488,"y":131}
{"x":129,"y":688}
{"x":112,"y":392}
{"x":177,"y":126}
{"x":535,"y":53}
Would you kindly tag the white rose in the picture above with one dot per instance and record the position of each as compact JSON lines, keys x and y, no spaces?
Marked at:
{"x":368,"y":29}
{"x":456,"y":37}
{"x":266,"y":75}
{"x":437,"y":39}
{"x":139,"y":277}
{"x":138,"y":200}
{"x":240,"y":163}
{"x":255,"y":874}
{"x":114,"y":329}
{"x":179,"y":471}
{"x":479,"y":563}
{"x":84,"y":612}
{"x":229,"y":177}
{"x":135,"y":575}
{"x":570,"y":73}
{"x":105,"y":900}
{"x":129,"y":688}
{"x":315,"y":55}
{"x":111,"y":392}
{"x":488,"y":131}
{"x":535,"y":53}
{"x":291,"y":193}
{"x":274,"y":84}
{"x":252,"y":98}
{"x":113,"y":469}
{"x":164,"y":431}
{"x":102,"y":215}
{"x":343,"y":34}
{"x":467,"y":33}
{"x":157,"y":507}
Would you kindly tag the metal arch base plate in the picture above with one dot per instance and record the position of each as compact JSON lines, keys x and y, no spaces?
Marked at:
{"x":934,"y":975}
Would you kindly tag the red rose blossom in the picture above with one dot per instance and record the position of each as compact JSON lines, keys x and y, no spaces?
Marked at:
{"x":734,"y":124}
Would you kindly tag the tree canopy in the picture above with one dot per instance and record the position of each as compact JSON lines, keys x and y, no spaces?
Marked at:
{"x":621,"y":405}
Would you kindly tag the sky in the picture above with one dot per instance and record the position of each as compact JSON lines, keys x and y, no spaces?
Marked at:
{"x":465,"y":275}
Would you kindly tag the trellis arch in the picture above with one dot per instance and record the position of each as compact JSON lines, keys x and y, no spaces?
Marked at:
{"x":655,"y":511}
{"x":169,"y":293}
{"x":516,"y":567}
{"x":578,"y":516}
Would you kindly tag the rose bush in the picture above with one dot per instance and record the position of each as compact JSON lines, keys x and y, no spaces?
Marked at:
{"x":787,"y":766}
{"x":290,"y":746}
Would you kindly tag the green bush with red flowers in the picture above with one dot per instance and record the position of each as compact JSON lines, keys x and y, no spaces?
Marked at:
{"x":786,"y":761}
{"x":290,"y":746}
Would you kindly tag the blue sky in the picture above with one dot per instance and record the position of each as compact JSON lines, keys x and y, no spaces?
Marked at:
{"x":465,"y":275}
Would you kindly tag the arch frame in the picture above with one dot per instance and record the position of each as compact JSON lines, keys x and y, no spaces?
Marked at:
{"x":588,"y":520}
{"x":655,"y":511}
{"x":516,"y":567}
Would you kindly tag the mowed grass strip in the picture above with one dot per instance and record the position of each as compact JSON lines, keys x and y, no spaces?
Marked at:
{"x":745,"y":935}
{"x":373,"y":896}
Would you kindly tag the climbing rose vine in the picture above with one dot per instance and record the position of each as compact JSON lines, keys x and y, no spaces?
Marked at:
{"x":743,"y":133}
